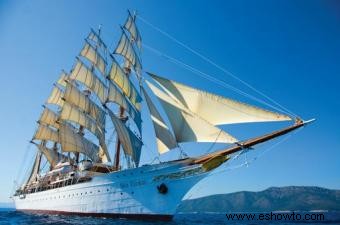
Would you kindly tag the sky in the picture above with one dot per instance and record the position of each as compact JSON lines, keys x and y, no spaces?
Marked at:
{"x":289,"y":50}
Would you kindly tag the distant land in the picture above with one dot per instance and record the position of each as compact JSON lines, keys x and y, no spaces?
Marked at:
{"x":292,"y":198}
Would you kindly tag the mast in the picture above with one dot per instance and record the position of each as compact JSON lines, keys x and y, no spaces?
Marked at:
{"x":87,"y":94}
{"x":127,"y":71}
{"x":131,"y":60}
{"x":55,"y":150}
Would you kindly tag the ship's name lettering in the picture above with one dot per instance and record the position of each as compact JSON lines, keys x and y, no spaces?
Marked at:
{"x":178,"y":175}
{"x":135,"y":183}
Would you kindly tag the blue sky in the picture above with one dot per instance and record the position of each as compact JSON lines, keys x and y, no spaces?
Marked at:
{"x":289,"y":50}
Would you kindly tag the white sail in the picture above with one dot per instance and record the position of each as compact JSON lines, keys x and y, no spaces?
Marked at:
{"x":46,"y":133}
{"x":93,"y":36}
{"x":130,"y":25}
{"x":164,"y":138}
{"x":35,"y":169}
{"x":131,"y":144}
{"x":52,"y":156}
{"x":117,"y":97}
{"x":118,"y":77}
{"x":125,"y":49}
{"x":74,"y":96}
{"x":56,"y":97}
{"x":90,"y":53}
{"x":187,"y":126}
{"x":216,"y":109}
{"x":73,"y":142}
{"x":63,"y":78}
{"x":48,"y":117}
{"x":74,"y":114}
{"x":84,"y":75}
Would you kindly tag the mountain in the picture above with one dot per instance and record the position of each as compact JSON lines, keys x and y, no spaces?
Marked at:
{"x":297,"y":198}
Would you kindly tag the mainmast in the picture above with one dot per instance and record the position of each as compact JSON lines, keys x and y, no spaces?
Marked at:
{"x":130,"y":60}
{"x":123,"y":119}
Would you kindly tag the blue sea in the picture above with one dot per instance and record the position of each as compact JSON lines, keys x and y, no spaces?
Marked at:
{"x":11,"y":217}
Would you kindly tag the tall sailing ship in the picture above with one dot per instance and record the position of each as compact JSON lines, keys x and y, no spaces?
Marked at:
{"x":105,"y":90}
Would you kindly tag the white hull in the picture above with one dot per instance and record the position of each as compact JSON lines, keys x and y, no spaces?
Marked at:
{"x":130,"y":193}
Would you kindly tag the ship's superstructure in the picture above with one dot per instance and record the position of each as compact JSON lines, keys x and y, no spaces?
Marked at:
{"x":103,"y":90}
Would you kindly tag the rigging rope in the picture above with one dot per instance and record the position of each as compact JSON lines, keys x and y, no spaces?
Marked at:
{"x":246,"y":163}
{"x":227,"y":168}
{"x":225,"y":71}
{"x":212,"y":79}
{"x":21,"y":180}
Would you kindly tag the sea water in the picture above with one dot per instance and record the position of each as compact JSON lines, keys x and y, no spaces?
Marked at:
{"x":11,"y":217}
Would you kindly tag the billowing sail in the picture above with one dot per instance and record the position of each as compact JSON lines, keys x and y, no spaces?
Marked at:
{"x":216,"y":109}
{"x":187,"y":126}
{"x":84,"y":75}
{"x":164,"y":138}
{"x":125,"y":49}
{"x":35,"y":169}
{"x":118,"y":77}
{"x":117,"y":97}
{"x":130,"y":25}
{"x":56,"y":97}
{"x":48,"y":117}
{"x":90,"y":53}
{"x":53,"y":157}
{"x":46,"y":133}
{"x":93,"y":36}
{"x":131,"y":144}
{"x":72,"y":113}
{"x":74,"y":96}
{"x":73,"y":142}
